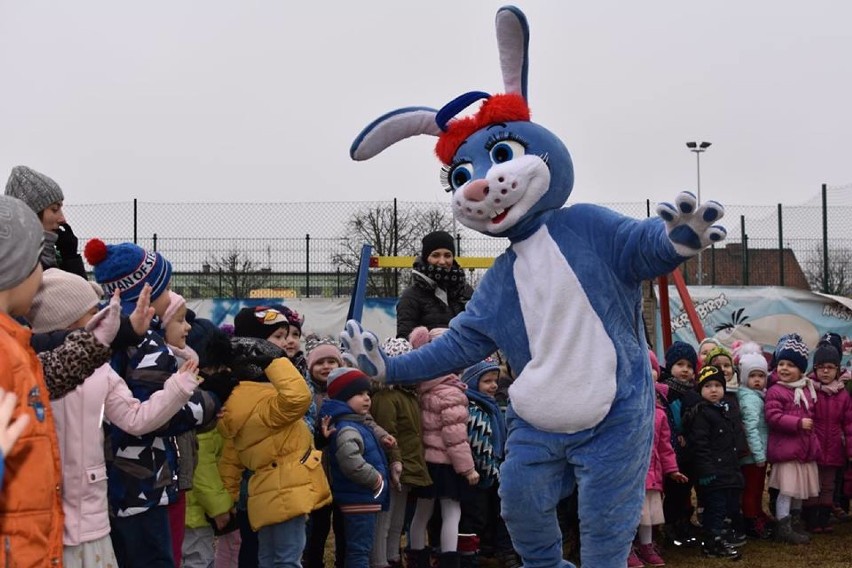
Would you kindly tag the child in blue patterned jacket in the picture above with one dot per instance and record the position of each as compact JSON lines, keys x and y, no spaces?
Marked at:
{"x":486,"y":432}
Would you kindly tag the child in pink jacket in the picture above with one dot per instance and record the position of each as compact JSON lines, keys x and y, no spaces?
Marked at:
{"x":66,"y":301}
{"x":663,"y":464}
{"x":443,"y":408}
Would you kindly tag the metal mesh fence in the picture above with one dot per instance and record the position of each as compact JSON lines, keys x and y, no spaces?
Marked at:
{"x":310,"y":249}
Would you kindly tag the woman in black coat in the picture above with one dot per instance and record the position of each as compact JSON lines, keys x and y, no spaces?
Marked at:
{"x":438,"y":290}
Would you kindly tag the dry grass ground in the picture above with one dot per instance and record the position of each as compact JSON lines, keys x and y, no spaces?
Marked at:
{"x":825,"y":551}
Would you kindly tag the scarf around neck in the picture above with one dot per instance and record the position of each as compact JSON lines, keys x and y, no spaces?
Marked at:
{"x":799,"y":388}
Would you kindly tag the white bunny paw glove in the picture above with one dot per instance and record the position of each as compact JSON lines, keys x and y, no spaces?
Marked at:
{"x":689,"y":226}
{"x":361,"y":350}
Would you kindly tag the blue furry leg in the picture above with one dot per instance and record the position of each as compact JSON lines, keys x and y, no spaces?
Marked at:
{"x":534,"y":478}
{"x":608,"y":464}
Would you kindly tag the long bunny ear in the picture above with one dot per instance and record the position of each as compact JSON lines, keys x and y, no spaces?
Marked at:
{"x":392,"y":127}
{"x":513,"y":39}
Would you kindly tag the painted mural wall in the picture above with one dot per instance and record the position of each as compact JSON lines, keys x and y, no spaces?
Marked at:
{"x":324,"y":316}
{"x":760,"y":314}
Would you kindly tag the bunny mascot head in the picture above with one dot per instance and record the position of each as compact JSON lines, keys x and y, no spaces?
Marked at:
{"x":563,"y":303}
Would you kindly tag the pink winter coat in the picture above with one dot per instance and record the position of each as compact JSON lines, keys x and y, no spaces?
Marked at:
{"x":663,"y":460}
{"x":78,"y":417}
{"x":787,"y":441}
{"x":833,"y":425}
{"x":443,"y":407}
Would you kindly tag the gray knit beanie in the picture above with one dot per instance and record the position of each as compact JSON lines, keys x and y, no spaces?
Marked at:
{"x":33,"y":188}
{"x":62,"y":299}
{"x":21,"y":238}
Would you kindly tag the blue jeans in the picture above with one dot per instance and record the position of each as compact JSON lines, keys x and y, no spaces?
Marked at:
{"x":607,"y":464}
{"x":281,"y":545}
{"x":360,"y":530}
{"x":143,"y":539}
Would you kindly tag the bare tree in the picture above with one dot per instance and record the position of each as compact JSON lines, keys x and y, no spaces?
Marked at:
{"x":237,"y":274}
{"x":838,"y":279}
{"x":392,"y":232}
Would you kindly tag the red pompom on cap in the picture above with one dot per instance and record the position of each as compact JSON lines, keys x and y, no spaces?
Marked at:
{"x":95,"y":251}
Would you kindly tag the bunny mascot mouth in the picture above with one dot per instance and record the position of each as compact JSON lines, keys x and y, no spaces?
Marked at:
{"x":563,"y":302}
{"x":495,"y":203}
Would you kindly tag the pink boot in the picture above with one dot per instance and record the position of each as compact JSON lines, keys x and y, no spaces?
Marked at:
{"x":633,"y":560}
{"x":648,"y":554}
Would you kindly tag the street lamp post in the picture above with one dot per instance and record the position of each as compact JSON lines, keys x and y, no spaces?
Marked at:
{"x":698,"y":149}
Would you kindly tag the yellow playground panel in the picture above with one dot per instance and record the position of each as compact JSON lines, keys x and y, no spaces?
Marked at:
{"x":407,"y":261}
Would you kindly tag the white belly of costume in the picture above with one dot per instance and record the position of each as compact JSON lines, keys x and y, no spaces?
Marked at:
{"x":569,"y":383}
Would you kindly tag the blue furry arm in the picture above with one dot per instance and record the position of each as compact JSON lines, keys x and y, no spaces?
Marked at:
{"x":463,"y":345}
{"x":637,"y":249}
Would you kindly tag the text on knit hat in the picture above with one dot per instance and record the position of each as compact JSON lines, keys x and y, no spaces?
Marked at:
{"x":127,"y":267}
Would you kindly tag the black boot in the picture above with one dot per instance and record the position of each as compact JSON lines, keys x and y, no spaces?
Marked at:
{"x":824,"y":518}
{"x":715,"y":547}
{"x":417,"y":558}
{"x":784,"y":532}
{"x":449,"y":560}
{"x":809,"y":519}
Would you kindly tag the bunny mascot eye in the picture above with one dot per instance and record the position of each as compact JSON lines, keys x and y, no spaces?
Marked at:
{"x":563,"y":303}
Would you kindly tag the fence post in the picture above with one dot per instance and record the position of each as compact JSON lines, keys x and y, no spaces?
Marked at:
{"x":648,"y":208}
{"x":395,"y":247}
{"x":135,"y":222}
{"x":338,"y":282}
{"x":713,"y":264}
{"x":155,"y":242}
{"x":220,"y":281}
{"x":744,"y":239}
{"x":458,"y":245}
{"x":780,"y":248}
{"x":825,"y":287}
{"x":308,"y":265}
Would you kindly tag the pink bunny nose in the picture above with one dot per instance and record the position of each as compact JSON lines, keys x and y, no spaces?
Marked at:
{"x":476,"y":190}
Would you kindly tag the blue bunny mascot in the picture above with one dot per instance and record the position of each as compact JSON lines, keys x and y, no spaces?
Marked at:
{"x":582,"y":404}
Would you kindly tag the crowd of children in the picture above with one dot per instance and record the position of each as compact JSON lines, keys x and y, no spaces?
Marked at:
{"x":733,"y":416}
{"x":138,"y":434}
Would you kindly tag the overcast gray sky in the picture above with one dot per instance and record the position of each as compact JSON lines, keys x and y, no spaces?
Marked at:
{"x":259,"y":101}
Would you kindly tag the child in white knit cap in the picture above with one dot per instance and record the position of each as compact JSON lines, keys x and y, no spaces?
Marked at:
{"x":753,"y":371}
{"x":66,"y":301}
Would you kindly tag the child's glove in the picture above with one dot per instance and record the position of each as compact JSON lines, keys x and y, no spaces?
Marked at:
{"x":221,"y":384}
{"x":104,"y":324}
{"x":250,"y":356}
{"x":396,"y":475}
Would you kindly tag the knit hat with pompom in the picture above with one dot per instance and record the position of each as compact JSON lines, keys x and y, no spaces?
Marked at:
{"x":127,"y":267}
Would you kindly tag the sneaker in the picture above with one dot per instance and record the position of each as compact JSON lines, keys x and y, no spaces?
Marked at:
{"x":734,"y":538}
{"x":633,"y":560}
{"x":717,"y":548}
{"x":648,"y":554}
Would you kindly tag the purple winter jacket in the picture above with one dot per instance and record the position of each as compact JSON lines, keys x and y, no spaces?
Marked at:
{"x":833,"y":427}
{"x":787,"y":440}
